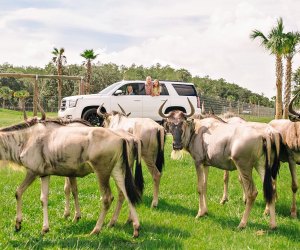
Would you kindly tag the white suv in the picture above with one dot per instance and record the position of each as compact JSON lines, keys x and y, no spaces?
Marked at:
{"x":139,"y":104}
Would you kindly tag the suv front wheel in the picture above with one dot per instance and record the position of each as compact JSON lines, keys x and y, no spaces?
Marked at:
{"x":91,"y":116}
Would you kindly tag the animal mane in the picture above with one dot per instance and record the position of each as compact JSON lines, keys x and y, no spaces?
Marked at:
{"x":21,"y":125}
{"x":35,"y":120}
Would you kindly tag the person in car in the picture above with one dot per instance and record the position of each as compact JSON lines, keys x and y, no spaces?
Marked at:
{"x":156,"y":88}
{"x":148,"y":85}
{"x":129,"y":90}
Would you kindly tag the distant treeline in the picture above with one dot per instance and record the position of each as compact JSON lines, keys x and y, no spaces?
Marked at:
{"x":106,"y":74}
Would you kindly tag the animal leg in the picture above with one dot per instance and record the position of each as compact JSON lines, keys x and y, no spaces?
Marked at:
{"x":73,"y":182}
{"x":116,"y":214}
{"x":29,"y":178}
{"x":119,"y":179}
{"x":156,"y":175}
{"x":67,"y":189}
{"x":244,"y":195}
{"x":202,"y":174}
{"x":293,"y":171}
{"x":225,"y":191}
{"x":106,"y":201}
{"x":251,"y":193}
{"x":44,"y":199}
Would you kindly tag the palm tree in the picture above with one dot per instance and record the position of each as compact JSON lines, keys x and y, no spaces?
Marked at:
{"x":89,"y":55}
{"x":21,"y":95}
{"x":274,"y":43}
{"x":292,"y":39}
{"x":5,"y":94}
{"x":59,"y":59}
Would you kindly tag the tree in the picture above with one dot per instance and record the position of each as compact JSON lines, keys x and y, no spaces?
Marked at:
{"x":274,"y":42}
{"x":5,"y":94}
{"x":89,"y":55}
{"x":21,"y":95}
{"x":292,"y":39}
{"x":59,"y":59}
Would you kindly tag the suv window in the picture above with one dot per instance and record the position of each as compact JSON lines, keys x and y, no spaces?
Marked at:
{"x":185,"y":90}
{"x":164,"y":90}
{"x":135,"y":88}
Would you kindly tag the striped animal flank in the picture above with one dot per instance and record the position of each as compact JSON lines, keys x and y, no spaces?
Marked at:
{"x":267,"y":185}
{"x":138,"y":176}
{"x":131,"y":190}
{"x":160,"y":159}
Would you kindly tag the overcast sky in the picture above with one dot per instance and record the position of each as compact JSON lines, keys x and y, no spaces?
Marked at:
{"x":204,"y":37}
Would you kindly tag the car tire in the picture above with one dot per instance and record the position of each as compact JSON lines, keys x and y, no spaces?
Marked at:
{"x":91,"y":116}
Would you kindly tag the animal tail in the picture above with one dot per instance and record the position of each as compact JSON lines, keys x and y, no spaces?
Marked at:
{"x":160,"y":158}
{"x":268,"y":184}
{"x":131,"y":190}
{"x":138,"y":176}
{"x":276,"y":141}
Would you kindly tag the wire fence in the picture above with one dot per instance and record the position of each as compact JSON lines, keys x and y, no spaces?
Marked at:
{"x":221,"y":106}
{"x":218,"y":105}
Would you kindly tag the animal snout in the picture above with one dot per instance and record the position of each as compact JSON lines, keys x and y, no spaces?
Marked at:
{"x":177,"y":146}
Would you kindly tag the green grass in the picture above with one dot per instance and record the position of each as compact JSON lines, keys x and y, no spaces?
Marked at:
{"x":171,"y":226}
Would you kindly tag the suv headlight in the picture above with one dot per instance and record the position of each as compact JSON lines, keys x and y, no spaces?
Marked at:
{"x":72,"y":103}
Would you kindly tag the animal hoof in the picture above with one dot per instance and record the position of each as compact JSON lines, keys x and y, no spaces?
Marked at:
{"x":66,"y":215}
{"x":111,"y":224}
{"x":76,"y":219}
{"x":241,"y":226}
{"x":223,"y":201}
{"x":95,"y":231}
{"x":294,"y":215}
{"x":18,"y":227}
{"x":45,"y":230}
{"x":266,"y":212}
{"x":136,"y":232}
{"x":154,"y":204}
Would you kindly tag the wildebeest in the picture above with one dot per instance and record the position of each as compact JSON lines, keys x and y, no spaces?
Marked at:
{"x":266,"y":131}
{"x":227,"y":147}
{"x":134,"y":145}
{"x":152,"y":136}
{"x":290,"y":131}
{"x":46,"y":150}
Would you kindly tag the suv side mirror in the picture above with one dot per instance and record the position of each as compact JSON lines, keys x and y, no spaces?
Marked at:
{"x":118,"y":92}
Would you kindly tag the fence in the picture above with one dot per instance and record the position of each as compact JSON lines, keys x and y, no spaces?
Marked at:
{"x":219,"y":106}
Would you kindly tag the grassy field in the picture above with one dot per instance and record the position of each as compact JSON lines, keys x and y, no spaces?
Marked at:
{"x":170,"y":226}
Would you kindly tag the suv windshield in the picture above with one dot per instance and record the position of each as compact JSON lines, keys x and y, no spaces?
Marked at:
{"x":109,"y":88}
{"x":185,"y":90}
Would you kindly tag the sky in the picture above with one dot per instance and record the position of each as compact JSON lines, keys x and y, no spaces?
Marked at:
{"x":208,"y":38}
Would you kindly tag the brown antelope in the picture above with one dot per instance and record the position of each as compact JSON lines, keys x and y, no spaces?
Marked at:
{"x":152,"y":136}
{"x":228,"y":147}
{"x":44,"y":150}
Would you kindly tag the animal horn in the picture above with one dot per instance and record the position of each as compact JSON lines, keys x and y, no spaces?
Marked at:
{"x":291,"y":110}
{"x":160,"y":111}
{"x":99,"y":112}
{"x":42,"y":111}
{"x":192,"y":109}
{"x":123,"y":111}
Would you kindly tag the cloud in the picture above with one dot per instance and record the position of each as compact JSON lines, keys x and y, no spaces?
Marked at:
{"x":206,"y":38}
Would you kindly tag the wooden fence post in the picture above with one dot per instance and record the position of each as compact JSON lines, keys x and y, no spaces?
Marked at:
{"x":35,"y":95}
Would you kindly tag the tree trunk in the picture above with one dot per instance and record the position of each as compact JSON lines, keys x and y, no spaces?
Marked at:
{"x":59,"y":87}
{"x":287,"y":87}
{"x":88,"y":77}
{"x":279,"y":73}
{"x":3,"y":103}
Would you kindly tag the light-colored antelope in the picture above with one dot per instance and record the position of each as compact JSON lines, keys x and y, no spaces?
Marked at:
{"x":44,"y":150}
{"x":228,"y":147}
{"x":152,"y":136}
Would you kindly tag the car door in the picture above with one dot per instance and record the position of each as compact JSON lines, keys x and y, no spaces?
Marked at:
{"x":151,"y":104}
{"x":130,"y":103}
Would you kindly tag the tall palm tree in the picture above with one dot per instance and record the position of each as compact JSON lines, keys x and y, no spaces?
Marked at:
{"x":274,"y":42}
{"x":292,"y":39}
{"x":89,"y":55}
{"x":59,"y":59}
